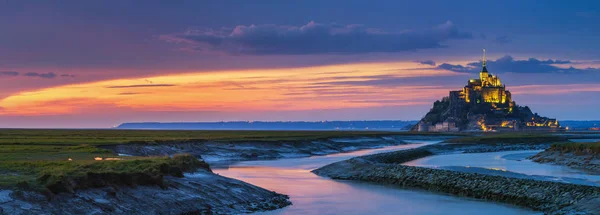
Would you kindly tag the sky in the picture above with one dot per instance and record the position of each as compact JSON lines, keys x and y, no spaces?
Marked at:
{"x":96,"y":64}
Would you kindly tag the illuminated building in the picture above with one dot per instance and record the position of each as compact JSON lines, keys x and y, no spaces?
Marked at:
{"x":483,"y":104}
{"x":487,"y":89}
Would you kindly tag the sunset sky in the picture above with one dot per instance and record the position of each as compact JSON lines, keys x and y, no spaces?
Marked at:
{"x":73,"y":64}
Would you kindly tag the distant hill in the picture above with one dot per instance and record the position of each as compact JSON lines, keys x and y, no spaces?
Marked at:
{"x":383,"y":125}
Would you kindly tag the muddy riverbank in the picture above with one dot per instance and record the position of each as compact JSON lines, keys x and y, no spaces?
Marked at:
{"x":312,"y":194}
{"x":585,"y":161}
{"x":202,"y":192}
{"x":224,"y":152}
{"x":546,"y":196}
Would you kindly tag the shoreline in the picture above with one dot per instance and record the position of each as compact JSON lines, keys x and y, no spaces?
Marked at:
{"x":190,"y":193}
{"x":185,"y":191}
{"x":202,"y":192}
{"x":219,"y":153}
{"x":586,"y":162}
{"x":548,"y":197}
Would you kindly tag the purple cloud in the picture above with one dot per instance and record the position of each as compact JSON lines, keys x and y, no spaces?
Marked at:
{"x":427,"y":62}
{"x":9,"y":73}
{"x":41,"y":75}
{"x":509,"y":64}
{"x":48,"y":75}
{"x":315,"y":38}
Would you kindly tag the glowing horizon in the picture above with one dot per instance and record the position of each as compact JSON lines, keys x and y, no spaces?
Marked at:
{"x":320,"y":87}
{"x":98,"y":64}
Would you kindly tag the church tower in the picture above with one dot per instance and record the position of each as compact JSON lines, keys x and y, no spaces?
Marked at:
{"x":483,"y":75}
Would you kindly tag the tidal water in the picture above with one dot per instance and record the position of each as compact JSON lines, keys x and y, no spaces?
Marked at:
{"x":312,"y":194}
{"x":508,"y":161}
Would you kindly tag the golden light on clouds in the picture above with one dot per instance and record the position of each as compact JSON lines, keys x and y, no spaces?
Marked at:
{"x":322,"y":87}
{"x":307,"y":88}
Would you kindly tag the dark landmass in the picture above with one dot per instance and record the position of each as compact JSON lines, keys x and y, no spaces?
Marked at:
{"x":382,"y":125}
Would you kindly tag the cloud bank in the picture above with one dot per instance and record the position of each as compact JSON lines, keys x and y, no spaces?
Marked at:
{"x":48,"y":75}
{"x":427,"y":62}
{"x":8,"y":73}
{"x":315,"y":38}
{"x":41,"y":75}
{"x":142,"y":85}
{"x":509,"y":64}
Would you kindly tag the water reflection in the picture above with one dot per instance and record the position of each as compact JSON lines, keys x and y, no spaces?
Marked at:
{"x":312,"y":194}
{"x":513,"y":161}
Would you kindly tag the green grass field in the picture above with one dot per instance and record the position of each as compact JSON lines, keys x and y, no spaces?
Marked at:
{"x":66,"y":176}
{"x":38,"y":158}
{"x":108,"y":137}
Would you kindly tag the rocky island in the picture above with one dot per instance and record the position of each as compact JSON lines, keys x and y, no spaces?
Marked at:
{"x":483,"y":104}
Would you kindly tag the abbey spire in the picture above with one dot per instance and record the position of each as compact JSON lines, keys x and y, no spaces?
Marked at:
{"x":484,"y":73}
{"x":484,"y":62}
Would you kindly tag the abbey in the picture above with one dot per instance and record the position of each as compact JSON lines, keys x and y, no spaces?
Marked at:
{"x":487,"y":89}
{"x":483,"y":104}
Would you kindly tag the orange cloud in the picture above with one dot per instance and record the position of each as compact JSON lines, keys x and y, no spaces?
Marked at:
{"x":321,"y":87}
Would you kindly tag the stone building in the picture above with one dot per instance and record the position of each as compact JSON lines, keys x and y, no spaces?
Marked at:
{"x":487,"y":89}
{"x":483,"y":104}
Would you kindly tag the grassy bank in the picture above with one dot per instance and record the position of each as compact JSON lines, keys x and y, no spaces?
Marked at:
{"x":577,"y":148}
{"x":59,"y":160}
{"x":509,"y":138}
{"x":108,"y":137}
{"x":59,"y":145}
{"x":66,"y":176}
